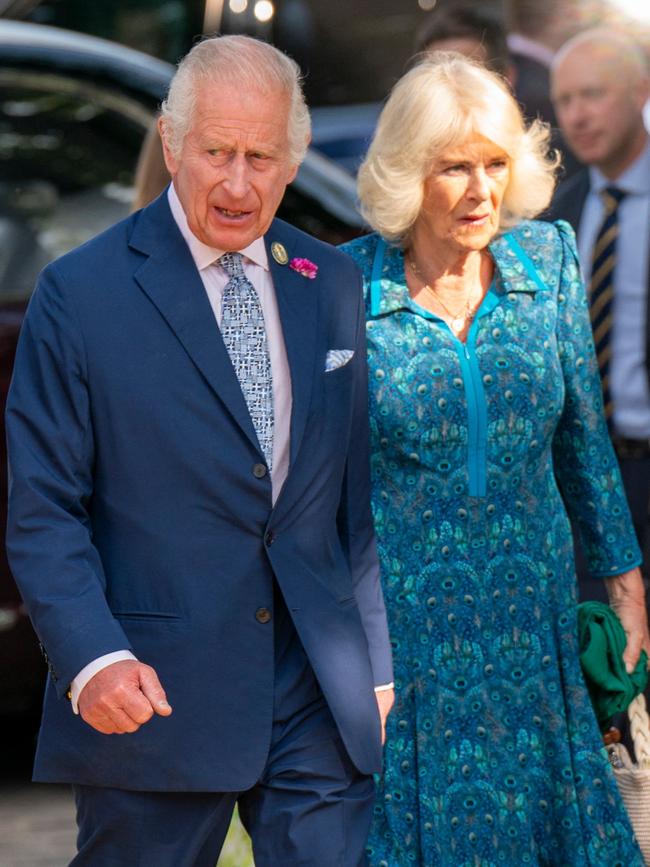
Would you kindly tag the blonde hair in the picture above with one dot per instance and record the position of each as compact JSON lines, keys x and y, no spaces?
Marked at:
{"x":246,"y":63}
{"x":439,"y":104}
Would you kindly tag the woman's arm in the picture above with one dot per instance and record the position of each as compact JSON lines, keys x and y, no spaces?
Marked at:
{"x":626,"y":594}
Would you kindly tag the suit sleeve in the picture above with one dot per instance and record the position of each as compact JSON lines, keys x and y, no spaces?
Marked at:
{"x":51,"y":452}
{"x":585,"y":464}
{"x":355,"y":523}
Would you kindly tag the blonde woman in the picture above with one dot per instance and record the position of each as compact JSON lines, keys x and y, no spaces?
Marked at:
{"x":488,"y":436}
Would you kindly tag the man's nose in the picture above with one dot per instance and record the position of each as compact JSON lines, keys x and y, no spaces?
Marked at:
{"x":237,"y":181}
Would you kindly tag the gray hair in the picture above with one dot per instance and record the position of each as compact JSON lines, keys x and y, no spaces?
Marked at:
{"x":437,"y":105}
{"x":248,"y":64}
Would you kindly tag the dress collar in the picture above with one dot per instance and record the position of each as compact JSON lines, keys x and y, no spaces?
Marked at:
{"x":389,"y":291}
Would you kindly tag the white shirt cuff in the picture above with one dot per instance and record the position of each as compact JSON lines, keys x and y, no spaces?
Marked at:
{"x":90,"y":670}
{"x":384,"y":687}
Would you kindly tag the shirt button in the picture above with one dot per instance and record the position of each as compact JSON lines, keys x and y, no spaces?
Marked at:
{"x":269,"y":538}
{"x":262,"y":615}
{"x":259,"y":471}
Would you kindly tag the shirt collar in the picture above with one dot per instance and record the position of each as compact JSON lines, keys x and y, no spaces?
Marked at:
{"x":635,"y":179}
{"x":203,"y":255}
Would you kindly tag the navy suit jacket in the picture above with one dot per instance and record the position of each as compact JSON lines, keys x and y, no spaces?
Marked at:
{"x":136,"y":520}
{"x":568,"y":203}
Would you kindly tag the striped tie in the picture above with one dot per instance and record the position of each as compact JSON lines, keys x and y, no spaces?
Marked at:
{"x":601,"y":294}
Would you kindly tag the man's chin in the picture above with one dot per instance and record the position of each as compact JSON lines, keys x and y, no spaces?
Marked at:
{"x":589,"y":154}
{"x":232,"y":233}
{"x":230,"y":239}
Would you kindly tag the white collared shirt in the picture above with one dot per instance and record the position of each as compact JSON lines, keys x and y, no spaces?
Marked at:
{"x":214,"y":279}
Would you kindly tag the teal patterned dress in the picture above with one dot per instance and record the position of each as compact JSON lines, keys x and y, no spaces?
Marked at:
{"x":480,"y":450}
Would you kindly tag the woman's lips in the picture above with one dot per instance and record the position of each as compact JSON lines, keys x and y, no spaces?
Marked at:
{"x":475,"y":220}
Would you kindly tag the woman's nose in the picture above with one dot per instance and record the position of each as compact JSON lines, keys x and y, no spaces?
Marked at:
{"x":478,"y":184}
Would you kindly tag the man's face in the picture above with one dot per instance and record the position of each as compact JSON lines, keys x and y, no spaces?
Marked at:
{"x":234,"y":164}
{"x":599,"y":110}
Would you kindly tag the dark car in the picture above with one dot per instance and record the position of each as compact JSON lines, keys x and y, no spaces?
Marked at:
{"x":74,"y":111}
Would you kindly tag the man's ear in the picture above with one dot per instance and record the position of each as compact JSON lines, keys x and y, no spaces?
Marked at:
{"x":293,"y":171}
{"x":170,"y":160}
{"x":643,"y":92}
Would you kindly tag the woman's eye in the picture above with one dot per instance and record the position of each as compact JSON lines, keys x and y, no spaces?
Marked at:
{"x":455,"y":169}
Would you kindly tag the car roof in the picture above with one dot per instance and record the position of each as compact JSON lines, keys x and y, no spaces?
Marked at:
{"x":24,"y":43}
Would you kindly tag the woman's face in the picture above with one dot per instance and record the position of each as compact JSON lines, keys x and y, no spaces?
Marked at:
{"x":463,"y":195}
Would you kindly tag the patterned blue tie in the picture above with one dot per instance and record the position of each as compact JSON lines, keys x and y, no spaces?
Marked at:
{"x":243,"y":332}
{"x":601,"y":290}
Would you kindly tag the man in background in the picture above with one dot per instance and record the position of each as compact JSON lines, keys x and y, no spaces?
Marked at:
{"x":475,"y":31}
{"x":480,"y":32}
{"x":599,"y":86}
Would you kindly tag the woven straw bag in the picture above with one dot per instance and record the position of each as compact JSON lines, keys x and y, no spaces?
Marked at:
{"x":633,"y":778}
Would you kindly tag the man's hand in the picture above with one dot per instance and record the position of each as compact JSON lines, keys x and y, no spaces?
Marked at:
{"x":122,"y":697}
{"x":627,"y":597}
{"x":385,"y":699}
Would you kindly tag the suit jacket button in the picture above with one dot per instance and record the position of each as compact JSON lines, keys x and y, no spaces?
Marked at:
{"x":269,"y":538}
{"x":259,"y":471}
{"x":262,"y":615}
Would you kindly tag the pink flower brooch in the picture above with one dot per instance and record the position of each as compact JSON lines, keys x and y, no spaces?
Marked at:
{"x":304,"y":267}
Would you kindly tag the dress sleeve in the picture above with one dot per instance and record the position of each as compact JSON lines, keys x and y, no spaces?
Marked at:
{"x":585,"y":464}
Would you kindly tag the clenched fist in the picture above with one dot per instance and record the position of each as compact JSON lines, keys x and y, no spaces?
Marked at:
{"x":122,"y":697}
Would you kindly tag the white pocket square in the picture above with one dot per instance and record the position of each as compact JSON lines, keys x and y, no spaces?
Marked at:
{"x":337,"y":358}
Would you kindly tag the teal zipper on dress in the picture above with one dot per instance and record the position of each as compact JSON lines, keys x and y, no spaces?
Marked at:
{"x":477,"y":418}
{"x":476,"y":414}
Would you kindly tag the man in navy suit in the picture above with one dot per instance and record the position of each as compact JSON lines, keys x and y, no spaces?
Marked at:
{"x":189,"y":507}
{"x":600,"y":86}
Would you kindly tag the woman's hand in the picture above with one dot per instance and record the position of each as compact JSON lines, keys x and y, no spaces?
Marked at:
{"x":627,"y":598}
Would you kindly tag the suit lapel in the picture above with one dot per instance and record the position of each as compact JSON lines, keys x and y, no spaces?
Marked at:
{"x":170,"y":279}
{"x":570,"y":199}
{"x":297,"y":298}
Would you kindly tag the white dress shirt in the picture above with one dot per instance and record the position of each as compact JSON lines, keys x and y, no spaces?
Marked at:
{"x":627,"y":372}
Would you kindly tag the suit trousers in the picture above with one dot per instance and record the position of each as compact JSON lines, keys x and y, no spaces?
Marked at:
{"x":310,"y":807}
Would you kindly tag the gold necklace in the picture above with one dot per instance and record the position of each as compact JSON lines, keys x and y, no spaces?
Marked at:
{"x":460,"y":320}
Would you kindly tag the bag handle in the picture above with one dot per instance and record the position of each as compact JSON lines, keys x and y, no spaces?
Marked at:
{"x":640,"y":730}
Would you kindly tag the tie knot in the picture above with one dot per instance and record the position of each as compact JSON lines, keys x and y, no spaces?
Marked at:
{"x":612,"y":198}
{"x":232,"y":264}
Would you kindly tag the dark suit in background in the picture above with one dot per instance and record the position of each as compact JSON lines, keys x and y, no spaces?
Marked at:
{"x":634,"y":458}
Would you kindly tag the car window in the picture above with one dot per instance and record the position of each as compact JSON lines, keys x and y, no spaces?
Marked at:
{"x":68,"y":150}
